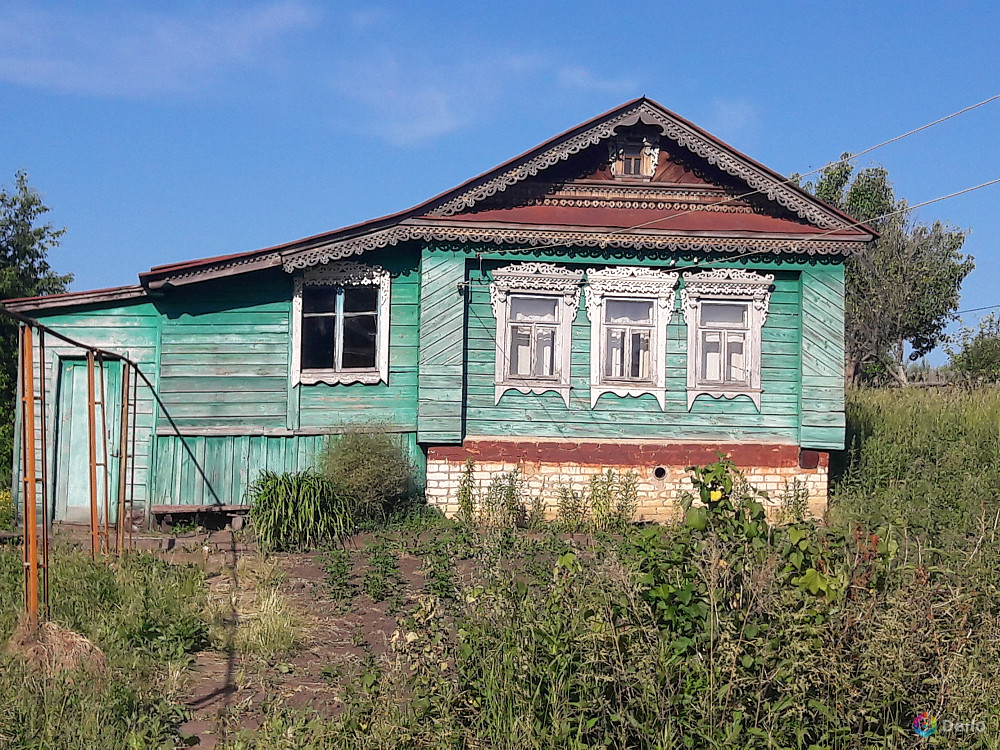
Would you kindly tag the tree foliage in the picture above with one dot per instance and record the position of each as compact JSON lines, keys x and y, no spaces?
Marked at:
{"x":903,"y":290}
{"x":25,"y":243}
{"x":975,"y":352}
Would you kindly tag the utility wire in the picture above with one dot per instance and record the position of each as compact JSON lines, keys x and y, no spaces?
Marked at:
{"x":789,"y":180}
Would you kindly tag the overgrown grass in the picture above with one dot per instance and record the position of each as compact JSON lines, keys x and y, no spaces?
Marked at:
{"x":924,"y":460}
{"x":726,"y":630}
{"x":146,"y":616}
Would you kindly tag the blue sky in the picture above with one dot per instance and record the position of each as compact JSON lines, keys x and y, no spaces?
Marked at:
{"x":165,"y":131}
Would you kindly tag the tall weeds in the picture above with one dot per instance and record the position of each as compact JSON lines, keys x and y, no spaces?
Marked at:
{"x":297,"y":511}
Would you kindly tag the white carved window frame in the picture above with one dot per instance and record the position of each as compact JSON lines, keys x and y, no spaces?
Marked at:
{"x":343,"y":273}
{"x":726,"y":285}
{"x":630,"y":283}
{"x":535,"y":279}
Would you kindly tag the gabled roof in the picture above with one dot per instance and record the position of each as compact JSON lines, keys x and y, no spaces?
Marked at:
{"x":807,"y":225}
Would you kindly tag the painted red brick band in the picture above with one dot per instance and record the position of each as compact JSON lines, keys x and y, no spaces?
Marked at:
{"x":623,"y":454}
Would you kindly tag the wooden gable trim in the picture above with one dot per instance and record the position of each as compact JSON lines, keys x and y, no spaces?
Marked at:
{"x":715,"y":152}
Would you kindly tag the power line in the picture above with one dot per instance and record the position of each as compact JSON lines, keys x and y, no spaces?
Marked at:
{"x":976,"y":309}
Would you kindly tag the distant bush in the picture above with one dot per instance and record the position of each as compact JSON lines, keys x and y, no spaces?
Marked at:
{"x":370,"y":470}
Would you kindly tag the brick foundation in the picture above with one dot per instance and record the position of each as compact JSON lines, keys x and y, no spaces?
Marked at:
{"x":545,"y":465}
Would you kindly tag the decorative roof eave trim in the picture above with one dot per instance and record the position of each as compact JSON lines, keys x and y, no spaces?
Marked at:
{"x":197,"y":274}
{"x":548,"y":238}
{"x":673,"y":128}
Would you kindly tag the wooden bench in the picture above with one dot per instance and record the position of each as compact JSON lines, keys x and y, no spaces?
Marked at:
{"x":166,"y":513}
{"x":12,"y":537}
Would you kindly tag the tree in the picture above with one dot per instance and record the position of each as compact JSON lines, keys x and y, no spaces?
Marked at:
{"x":24,"y":272}
{"x":905,"y":287}
{"x":975,"y":352}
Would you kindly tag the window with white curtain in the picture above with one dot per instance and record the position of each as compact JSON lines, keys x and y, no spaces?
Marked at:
{"x":725,"y":311}
{"x":629,"y":308}
{"x":534,"y":305}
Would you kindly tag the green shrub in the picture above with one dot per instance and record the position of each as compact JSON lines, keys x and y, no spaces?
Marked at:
{"x":370,"y":470}
{"x":298,"y":511}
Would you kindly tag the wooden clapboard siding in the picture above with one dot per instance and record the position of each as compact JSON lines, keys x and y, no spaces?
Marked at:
{"x":546,"y":415}
{"x":224,"y":352}
{"x":131,"y":328}
{"x":822,"y":405}
{"x":392,"y":404}
{"x":442,"y":314}
{"x":218,"y":469}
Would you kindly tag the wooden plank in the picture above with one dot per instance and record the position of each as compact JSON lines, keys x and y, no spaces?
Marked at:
{"x":442,"y":315}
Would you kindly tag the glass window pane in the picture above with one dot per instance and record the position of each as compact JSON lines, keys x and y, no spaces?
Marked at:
{"x":520,"y":351}
{"x":533,"y":308}
{"x":736,"y":370}
{"x":711,"y":356}
{"x":359,"y":342}
{"x":319,"y":299}
{"x":614,"y":354}
{"x":360,"y":299}
{"x":545,"y":351}
{"x":639,"y":366}
{"x":317,"y":343}
{"x":713,"y":313}
{"x":628,"y":311}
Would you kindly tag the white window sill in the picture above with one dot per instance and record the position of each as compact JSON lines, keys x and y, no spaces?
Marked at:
{"x":532,"y":386}
{"x":622,"y":389}
{"x":332,"y":377}
{"x":723,"y":392}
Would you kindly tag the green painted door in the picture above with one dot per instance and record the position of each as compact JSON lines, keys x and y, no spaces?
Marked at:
{"x":72,"y":459}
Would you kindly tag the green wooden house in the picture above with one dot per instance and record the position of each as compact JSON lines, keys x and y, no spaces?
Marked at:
{"x":631,"y":294}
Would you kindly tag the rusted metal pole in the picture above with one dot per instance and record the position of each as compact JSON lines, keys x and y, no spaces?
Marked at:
{"x":131,"y":483}
{"x":44,"y":474}
{"x":105,"y":490}
{"x":92,"y":438}
{"x":28,"y":476}
{"x":122,"y":461}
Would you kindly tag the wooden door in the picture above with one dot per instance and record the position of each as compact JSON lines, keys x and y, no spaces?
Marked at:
{"x":71,"y":479}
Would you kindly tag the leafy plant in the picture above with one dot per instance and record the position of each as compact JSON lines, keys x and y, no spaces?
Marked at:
{"x":297,"y":511}
{"x":382,"y":577}
{"x":370,"y":470}
{"x":6,"y":511}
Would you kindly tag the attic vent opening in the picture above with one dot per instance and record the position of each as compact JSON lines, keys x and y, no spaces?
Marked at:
{"x":634,"y":159}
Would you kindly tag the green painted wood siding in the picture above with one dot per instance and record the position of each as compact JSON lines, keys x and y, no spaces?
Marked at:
{"x":224,"y":352}
{"x":822,"y":405}
{"x":203,"y":470}
{"x":442,"y":315}
{"x":129,"y":328}
{"x":546,"y":415}
{"x":393,"y":405}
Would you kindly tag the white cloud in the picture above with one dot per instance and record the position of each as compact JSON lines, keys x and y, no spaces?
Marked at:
{"x":582,"y":79}
{"x":138,"y":54}
{"x":404,"y":100}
